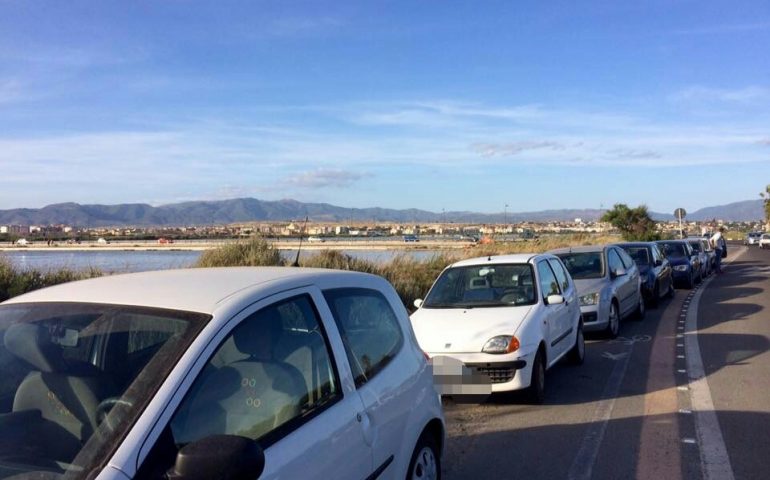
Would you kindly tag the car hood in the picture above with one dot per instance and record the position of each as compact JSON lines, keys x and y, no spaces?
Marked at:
{"x":461,"y":330}
{"x":590,"y":285}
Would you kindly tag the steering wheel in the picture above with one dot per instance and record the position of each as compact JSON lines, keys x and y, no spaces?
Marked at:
{"x":104,"y":408}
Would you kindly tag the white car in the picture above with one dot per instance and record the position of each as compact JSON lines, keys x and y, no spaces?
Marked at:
{"x":764,"y":241}
{"x":216,"y":373}
{"x":506,"y":319}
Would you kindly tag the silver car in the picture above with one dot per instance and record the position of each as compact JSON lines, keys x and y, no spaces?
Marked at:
{"x":608,"y":283}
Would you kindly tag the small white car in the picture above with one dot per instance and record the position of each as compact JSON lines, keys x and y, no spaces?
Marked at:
{"x":764,"y":241}
{"x":216,"y":373}
{"x":506,"y":319}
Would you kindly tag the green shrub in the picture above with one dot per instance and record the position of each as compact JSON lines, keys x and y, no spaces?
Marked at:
{"x":339,"y":261}
{"x":14,"y":282}
{"x":255,"y":252}
{"x":413,"y":278}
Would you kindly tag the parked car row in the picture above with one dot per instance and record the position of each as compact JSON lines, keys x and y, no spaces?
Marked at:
{"x":277,"y":372}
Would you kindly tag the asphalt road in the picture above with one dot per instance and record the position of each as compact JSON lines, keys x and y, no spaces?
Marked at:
{"x":681,"y":394}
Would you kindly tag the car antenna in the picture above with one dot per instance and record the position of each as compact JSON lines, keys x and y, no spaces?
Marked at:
{"x":299,"y":249}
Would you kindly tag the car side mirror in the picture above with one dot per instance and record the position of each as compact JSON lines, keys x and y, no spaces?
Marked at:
{"x":219,"y":456}
{"x":417,"y":302}
{"x":658,"y":262}
{"x":618,"y":273}
{"x":554,"y":299}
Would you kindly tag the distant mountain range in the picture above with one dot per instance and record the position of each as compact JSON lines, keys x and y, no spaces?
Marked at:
{"x":251,"y":209}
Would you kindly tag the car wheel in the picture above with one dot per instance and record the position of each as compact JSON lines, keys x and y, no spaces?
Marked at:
{"x":640,"y":310}
{"x":426,"y":462}
{"x":577,"y":354}
{"x":536,"y":391}
{"x":613,"y":325}
{"x":655,"y":297}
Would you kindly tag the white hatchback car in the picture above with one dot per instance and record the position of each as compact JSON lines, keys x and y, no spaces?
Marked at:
{"x":216,"y":373}
{"x":764,"y":241}
{"x":506,"y":318}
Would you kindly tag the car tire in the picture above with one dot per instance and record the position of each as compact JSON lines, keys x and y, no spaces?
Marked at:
{"x":640,"y":310}
{"x":425,"y":462}
{"x":535,"y":393}
{"x":655,"y":297}
{"x":613,"y":323}
{"x":577,"y":354}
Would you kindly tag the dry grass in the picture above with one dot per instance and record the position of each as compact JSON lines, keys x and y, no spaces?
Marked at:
{"x":255,"y":252}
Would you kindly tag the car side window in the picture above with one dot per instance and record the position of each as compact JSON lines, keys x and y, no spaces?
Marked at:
{"x":270,"y":375}
{"x":560,"y":273}
{"x":548,"y":283}
{"x":369,"y":329}
{"x":656,"y":255}
{"x":614,"y":260}
{"x":625,"y":258}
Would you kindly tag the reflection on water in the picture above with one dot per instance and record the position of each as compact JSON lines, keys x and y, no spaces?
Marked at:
{"x":140,"y":261}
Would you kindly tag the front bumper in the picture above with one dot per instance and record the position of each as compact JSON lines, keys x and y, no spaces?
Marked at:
{"x":595,"y":317}
{"x":481,"y":373}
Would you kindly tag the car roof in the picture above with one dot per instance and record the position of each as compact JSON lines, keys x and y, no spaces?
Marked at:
{"x":192,"y":289}
{"x":498,"y":259}
{"x":580,"y":249}
{"x":635,"y":244}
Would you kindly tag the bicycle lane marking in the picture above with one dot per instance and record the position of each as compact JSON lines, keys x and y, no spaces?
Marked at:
{"x":659,"y":442}
{"x":583,"y":464}
{"x":715,"y":462}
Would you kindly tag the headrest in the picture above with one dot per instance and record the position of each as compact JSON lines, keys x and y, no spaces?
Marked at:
{"x":32,"y":343}
{"x":255,"y":335}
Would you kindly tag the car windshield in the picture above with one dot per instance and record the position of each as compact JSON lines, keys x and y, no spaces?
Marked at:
{"x":75,"y":378}
{"x":640,"y":255}
{"x":696,"y":246}
{"x":583,"y":265}
{"x":674,"y":249}
{"x":483,"y":286}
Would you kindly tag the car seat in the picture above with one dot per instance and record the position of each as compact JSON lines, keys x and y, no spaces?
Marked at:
{"x":60,"y":394}
{"x":250,"y":396}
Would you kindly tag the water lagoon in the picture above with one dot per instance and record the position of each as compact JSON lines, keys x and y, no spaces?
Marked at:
{"x":123,"y":261}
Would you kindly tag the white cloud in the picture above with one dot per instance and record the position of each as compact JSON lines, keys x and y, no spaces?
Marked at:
{"x":515,"y":148}
{"x":738,"y":95}
{"x":726,"y":28}
{"x":323,"y":178}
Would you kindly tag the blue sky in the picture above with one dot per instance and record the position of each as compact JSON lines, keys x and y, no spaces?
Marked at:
{"x":433,"y":105}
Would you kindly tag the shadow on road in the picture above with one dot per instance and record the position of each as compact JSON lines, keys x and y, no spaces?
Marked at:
{"x":548,"y":451}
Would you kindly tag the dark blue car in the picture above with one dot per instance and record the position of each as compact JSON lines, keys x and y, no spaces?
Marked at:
{"x":655,"y":271}
{"x":684,"y":262}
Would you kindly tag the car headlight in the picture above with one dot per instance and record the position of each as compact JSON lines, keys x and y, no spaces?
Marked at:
{"x":501,"y":344}
{"x":590,"y":299}
{"x":680,"y":268}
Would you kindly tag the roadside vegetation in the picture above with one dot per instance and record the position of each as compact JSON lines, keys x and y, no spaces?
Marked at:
{"x":255,"y":252}
{"x":412,"y":278}
{"x":634,"y":224}
{"x":14,"y":281}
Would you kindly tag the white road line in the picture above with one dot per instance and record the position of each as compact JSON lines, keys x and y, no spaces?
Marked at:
{"x":584,"y":461}
{"x":715,"y":462}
